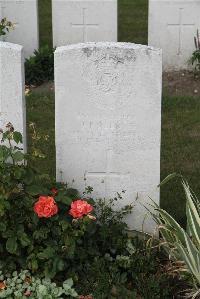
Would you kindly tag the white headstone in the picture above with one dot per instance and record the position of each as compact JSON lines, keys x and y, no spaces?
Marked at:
{"x":108,"y":119}
{"x":172,"y":27}
{"x":76,"y":21}
{"x":12,"y":102}
{"x":25,"y":16}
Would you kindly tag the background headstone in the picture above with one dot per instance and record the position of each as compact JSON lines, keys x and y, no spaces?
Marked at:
{"x":172,"y":27}
{"x":12,"y":102}
{"x":108,"y":121}
{"x":25,"y":16}
{"x":76,"y":21}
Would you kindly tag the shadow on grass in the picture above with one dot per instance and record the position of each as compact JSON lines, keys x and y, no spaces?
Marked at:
{"x":180,"y":150}
{"x":41,"y":131}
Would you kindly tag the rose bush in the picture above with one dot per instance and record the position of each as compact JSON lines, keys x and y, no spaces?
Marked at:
{"x":36,"y":230}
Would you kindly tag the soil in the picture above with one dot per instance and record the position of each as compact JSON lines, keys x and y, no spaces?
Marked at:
{"x":45,"y":87}
{"x":180,"y":83}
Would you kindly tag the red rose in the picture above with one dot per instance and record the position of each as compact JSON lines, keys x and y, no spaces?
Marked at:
{"x":79,"y":208}
{"x":54,"y":191}
{"x":46,"y":207}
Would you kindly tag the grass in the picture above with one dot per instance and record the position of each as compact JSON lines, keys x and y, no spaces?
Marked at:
{"x":180,"y":150}
{"x":40,"y":131}
{"x":180,"y":116}
{"x":133,"y":21}
{"x":45,"y":23}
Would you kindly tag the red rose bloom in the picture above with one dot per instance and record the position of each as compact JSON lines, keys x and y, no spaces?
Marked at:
{"x":45,"y":207}
{"x":79,"y":208}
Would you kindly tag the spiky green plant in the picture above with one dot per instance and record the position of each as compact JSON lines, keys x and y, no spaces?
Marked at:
{"x":183,"y":245}
{"x":195,"y":59}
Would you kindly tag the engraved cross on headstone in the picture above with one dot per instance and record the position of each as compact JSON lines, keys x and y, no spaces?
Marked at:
{"x":107,"y":177}
{"x":84,"y":25}
{"x":181,"y":25}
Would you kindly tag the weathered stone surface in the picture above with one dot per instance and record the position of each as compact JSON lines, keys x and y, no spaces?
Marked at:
{"x":12,"y":102}
{"x":172,"y":27}
{"x":108,"y":119}
{"x":76,"y":21}
{"x":25,"y":16}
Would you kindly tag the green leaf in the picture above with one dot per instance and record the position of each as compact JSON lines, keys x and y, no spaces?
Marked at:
{"x":46,"y":253}
{"x":42,"y":291}
{"x":34,"y":265}
{"x":1,"y":154}
{"x":11,"y":245}
{"x":33,"y":190}
{"x":64,"y":198}
{"x":18,"y":156}
{"x":30,"y":175}
{"x":17,"y":136}
{"x":24,"y":240}
{"x":169,"y":178}
{"x":68,"y":283}
{"x":71,"y":192}
{"x":2,"y":227}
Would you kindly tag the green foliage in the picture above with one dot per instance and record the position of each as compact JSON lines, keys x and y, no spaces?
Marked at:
{"x":109,"y":263}
{"x":195,"y":59}
{"x":40,"y":67}
{"x":137,"y":271}
{"x":22,"y":285}
{"x":5,"y":26}
{"x":183,"y":245}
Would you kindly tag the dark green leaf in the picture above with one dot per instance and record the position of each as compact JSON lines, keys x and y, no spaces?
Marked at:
{"x":11,"y":245}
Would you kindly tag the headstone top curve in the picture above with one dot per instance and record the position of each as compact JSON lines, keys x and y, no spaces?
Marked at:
{"x":10,"y":46}
{"x":106,"y":45}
